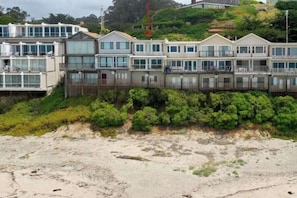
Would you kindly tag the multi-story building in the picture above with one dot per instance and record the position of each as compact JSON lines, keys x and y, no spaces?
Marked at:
{"x":34,"y":58}
{"x":213,"y":64}
{"x":30,"y":55}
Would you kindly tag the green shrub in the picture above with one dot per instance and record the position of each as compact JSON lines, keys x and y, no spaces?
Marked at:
{"x":164,"y":118}
{"x":140,"y":97}
{"x":106,"y":115}
{"x":143,"y":120}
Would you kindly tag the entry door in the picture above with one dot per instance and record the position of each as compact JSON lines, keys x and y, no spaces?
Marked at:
{"x":103,"y":79}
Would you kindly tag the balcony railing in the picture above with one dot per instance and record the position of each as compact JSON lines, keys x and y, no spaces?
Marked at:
{"x":76,"y":66}
{"x":228,"y":53}
{"x":260,"y":68}
{"x":145,"y":67}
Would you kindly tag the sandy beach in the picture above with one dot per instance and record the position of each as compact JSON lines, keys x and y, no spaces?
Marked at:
{"x":75,"y":162}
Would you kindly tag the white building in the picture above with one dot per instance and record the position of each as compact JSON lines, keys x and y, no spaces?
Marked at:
{"x":30,"y":55}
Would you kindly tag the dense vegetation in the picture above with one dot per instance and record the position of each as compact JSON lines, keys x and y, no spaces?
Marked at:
{"x":147,"y":108}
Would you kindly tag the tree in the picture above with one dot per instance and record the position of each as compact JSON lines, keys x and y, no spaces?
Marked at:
{"x":59,"y":18}
{"x":1,"y":10}
{"x":17,"y":13}
{"x":131,"y":11}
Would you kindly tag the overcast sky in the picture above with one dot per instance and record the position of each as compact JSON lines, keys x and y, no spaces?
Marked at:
{"x":75,"y":8}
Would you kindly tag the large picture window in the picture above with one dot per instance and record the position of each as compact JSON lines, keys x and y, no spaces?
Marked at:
{"x":32,"y":81}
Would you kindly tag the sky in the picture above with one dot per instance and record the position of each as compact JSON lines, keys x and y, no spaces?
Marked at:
{"x":76,"y":8}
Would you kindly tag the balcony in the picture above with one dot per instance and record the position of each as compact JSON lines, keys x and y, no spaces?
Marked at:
{"x":216,"y":70}
{"x":77,"y":66}
{"x":246,"y":69}
{"x":228,"y":53}
{"x":145,"y":67}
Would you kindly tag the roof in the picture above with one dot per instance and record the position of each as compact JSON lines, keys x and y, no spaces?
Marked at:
{"x":246,"y":37}
{"x":123,"y":34}
{"x":85,"y":35}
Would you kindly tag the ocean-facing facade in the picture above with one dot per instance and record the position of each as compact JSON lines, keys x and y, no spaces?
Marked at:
{"x":213,"y":64}
{"x":35,"y":57}
{"x":30,"y":55}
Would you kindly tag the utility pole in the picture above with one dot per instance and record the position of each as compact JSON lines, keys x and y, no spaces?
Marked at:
{"x":102,"y":20}
{"x":287,"y":26}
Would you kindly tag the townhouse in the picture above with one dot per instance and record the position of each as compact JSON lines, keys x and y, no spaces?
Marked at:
{"x":213,"y":64}
{"x":34,"y":58}
{"x":30,"y":55}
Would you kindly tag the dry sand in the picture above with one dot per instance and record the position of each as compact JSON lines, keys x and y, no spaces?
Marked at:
{"x":74,"y":162}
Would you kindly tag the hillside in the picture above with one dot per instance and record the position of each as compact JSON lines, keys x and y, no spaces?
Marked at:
{"x":233,"y":22}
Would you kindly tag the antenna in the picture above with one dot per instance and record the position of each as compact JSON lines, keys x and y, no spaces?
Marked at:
{"x":102,"y":19}
{"x":148,"y":32}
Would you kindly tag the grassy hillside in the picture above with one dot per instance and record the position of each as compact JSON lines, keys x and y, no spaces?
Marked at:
{"x":197,"y":24}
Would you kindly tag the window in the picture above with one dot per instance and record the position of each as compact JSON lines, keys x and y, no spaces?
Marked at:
{"x":274,"y":81}
{"x":243,"y":50}
{"x":31,"y":81}
{"x":122,"y":45}
{"x":208,"y":82}
{"x":69,"y":30}
{"x":80,"y":47}
{"x":174,"y":49}
{"x":143,"y":79}
{"x":259,"y":49}
{"x":139,"y":63}
{"x":153,"y":78}
{"x":122,"y":62}
{"x":208,"y":65}
{"x":106,"y":61}
{"x":225,"y":65}
{"x":225,"y":51}
{"x":279,"y":65}
{"x":45,"y":49}
{"x":156,"y":47}
{"x":90,"y":78}
{"x":292,"y":66}
{"x":294,"y":81}
{"x":55,"y":31}
{"x":74,"y":78}
{"x":106,"y":45}
{"x":175,"y":63}
{"x":122,"y":76}
{"x":242,"y":82}
{"x":36,"y":32}
{"x":224,"y":82}
{"x":4,"y":32}
{"x":81,"y":62}
{"x":13,"y":81}
{"x":207,"y":51}
{"x":38,"y":65}
{"x":20,"y":64}
{"x":139,"y":48}
{"x":156,"y":63}
{"x":190,"y":65}
{"x":190,"y":49}
{"x":292,"y":51}
{"x":278,"y":51}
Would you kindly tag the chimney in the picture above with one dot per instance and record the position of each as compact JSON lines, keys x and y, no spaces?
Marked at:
{"x":193,"y":1}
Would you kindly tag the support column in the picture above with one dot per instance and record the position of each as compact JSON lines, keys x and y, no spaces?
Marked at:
{"x":22,"y":79}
